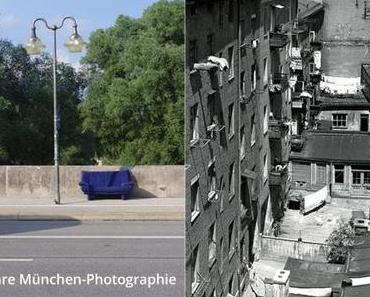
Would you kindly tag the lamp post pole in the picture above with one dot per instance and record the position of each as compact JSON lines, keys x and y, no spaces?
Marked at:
{"x":56,"y":152}
{"x":34,"y":47}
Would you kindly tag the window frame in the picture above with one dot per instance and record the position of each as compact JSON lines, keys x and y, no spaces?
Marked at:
{"x":231,"y":57}
{"x":212,"y":245}
{"x":231,"y":120}
{"x":337,"y":123}
{"x":195,"y":198}
{"x":231,"y":191}
{"x":194,"y":123}
{"x":338,"y":169}
{"x":253,"y":131}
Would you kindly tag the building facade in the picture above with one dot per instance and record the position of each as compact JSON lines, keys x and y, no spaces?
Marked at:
{"x":238,"y":100}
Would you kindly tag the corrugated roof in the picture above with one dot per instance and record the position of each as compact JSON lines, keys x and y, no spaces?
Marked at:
{"x":337,"y":147}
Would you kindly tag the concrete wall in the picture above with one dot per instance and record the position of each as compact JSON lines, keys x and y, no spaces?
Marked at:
{"x":353,"y":118}
{"x":37,"y":181}
{"x":345,"y":35}
{"x":273,"y":247}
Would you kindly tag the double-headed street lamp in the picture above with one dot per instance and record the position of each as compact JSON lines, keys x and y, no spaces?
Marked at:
{"x":34,"y":46}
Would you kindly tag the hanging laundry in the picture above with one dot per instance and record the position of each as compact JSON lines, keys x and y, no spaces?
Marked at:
{"x":221,"y":62}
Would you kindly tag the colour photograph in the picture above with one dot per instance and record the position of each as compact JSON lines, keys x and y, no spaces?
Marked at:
{"x":277,"y":148}
{"x":91,"y":148}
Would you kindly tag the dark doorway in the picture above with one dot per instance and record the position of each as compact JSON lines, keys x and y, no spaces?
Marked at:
{"x":364,"y":122}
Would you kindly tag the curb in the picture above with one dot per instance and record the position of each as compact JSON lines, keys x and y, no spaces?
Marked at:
{"x":128,"y":216}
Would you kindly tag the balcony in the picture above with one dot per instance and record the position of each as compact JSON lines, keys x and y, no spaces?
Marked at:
{"x":277,"y":129}
{"x":278,"y":175}
{"x":279,"y":82}
{"x":278,"y":39}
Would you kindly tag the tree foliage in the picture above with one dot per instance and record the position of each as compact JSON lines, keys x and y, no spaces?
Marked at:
{"x":26,"y":110}
{"x":339,"y":243}
{"x":134,"y":100}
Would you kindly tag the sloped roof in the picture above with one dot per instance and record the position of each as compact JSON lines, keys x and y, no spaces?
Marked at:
{"x":309,"y":7}
{"x":357,"y":291}
{"x":309,"y":274}
{"x":354,"y":100}
{"x":337,"y":147}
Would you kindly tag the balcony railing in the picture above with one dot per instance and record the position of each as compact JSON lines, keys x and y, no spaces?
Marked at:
{"x":277,"y":129}
{"x":278,"y":82}
{"x":278,"y":39}
{"x":278,"y":175}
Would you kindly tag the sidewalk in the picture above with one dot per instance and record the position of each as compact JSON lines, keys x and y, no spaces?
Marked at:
{"x":145,"y":209}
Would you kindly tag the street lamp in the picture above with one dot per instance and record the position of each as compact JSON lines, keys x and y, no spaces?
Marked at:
{"x":34,"y":46}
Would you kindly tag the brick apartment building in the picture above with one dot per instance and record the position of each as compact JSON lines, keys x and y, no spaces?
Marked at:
{"x":238,"y":110}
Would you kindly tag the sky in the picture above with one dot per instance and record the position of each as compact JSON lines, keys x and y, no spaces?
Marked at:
{"x":16,"y":17}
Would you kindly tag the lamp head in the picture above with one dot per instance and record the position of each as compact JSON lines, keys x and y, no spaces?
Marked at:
{"x":75,"y":43}
{"x":34,"y":46}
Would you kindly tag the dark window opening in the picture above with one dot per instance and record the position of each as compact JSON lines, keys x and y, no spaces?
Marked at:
{"x":339,"y":174}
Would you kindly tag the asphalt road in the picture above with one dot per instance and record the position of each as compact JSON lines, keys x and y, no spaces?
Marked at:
{"x":92,"y":250}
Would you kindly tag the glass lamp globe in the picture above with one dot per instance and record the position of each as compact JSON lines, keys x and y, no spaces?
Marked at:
{"x":75,"y":43}
{"x":34,"y":46}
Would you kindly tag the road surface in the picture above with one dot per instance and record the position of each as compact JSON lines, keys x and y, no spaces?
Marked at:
{"x":88,"y":254}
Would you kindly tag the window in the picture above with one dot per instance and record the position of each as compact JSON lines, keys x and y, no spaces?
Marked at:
{"x":221,"y":193}
{"x":242,"y":143}
{"x":266,"y":15}
{"x":242,"y":83}
{"x":220,"y":74}
{"x":366,"y":177}
{"x":356,"y":178}
{"x":339,"y":174}
{"x":195,"y":199}
{"x":265,"y":120}
{"x":192,"y":52}
{"x":210,"y":44}
{"x":265,"y":168}
{"x":231,"y":11}
{"x":231,"y":120}
{"x":195,"y":267}
{"x":311,"y":67}
{"x":212,"y":115}
{"x":231,"y":238}
{"x":231,"y":180}
{"x":339,"y":120}
{"x":222,"y":251}
{"x":231,"y":62}
{"x":253,"y":24}
{"x":253,"y":78}
{"x":211,"y":244}
{"x":194,"y":114}
{"x":212,"y":182}
{"x":231,"y":291}
{"x":361,"y":175}
{"x":265,"y":72}
{"x":253,"y":129}
{"x":312,"y":36}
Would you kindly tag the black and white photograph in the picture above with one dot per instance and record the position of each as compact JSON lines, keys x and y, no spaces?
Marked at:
{"x":277,"y":148}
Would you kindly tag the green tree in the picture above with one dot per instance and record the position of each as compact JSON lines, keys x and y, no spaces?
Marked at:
{"x":26,"y":110}
{"x":134,"y":100}
{"x":339,"y":243}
